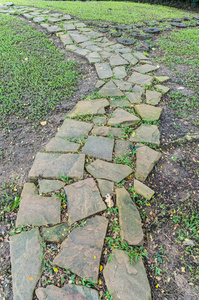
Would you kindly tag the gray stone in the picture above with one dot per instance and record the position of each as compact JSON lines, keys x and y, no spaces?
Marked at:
{"x":162,"y":88}
{"x":84,"y":200}
{"x":126,"y":281}
{"x":146,"y":134}
{"x":105,"y":187}
{"x":73,"y":129}
{"x":81,"y":251}
{"x":130,"y":58}
{"x":99,"y":120}
{"x":123,"y":85}
{"x":119,"y":72}
{"x":153,"y":97}
{"x":143,"y":190}
{"x":148,"y":112}
{"x":93,"y":57}
{"x":123,"y":50}
{"x":65,"y":17}
{"x":78,"y":25}
{"x":140,"y":55}
{"x":99,"y":147}
{"x":78,"y":38}
{"x":141,"y":79}
{"x":72,"y":48}
{"x":94,"y":48}
{"x":38,"y":19}
{"x":123,"y":117}
{"x":68,"y":291}
{"x":26,"y":251}
{"x":117,"y":60}
{"x":162,"y":78}
{"x":138,"y":88}
{"x":122,"y":147}
{"x":120,"y":103}
{"x":134,"y":97}
{"x":55,"y":234}
{"x":89,"y":107}
{"x":69,"y":26}
{"x":57,"y":144}
{"x":28,"y":16}
{"x":107,"y":131}
{"x":82,"y":52}
{"x":53,"y":29}
{"x":47,"y":186}
{"x":103,"y":70}
{"x":66,"y":40}
{"x":53,"y":19}
{"x":99,"y":84}
{"x":146,"y":158}
{"x":94,"y":35}
{"x":110,"y":89}
{"x":105,"y":54}
{"x":44,"y":25}
{"x":37,"y":210}
{"x":54,"y":165}
{"x":104,"y":170}
{"x":146,"y":68}
{"x":130,"y":221}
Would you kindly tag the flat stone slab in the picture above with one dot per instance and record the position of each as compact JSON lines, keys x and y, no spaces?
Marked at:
{"x":104,"y":170}
{"x":57,"y":144}
{"x":162,"y":78}
{"x":130,"y":221}
{"x":105,"y":187}
{"x":84,"y":200}
{"x":164,"y":89}
{"x":143,"y":190}
{"x":99,"y":83}
{"x":81,"y":251}
{"x":140,"y":55}
{"x":99,"y":147}
{"x":66,"y":40}
{"x":110,"y":89}
{"x":26,"y":251}
{"x":148,"y":112}
{"x":77,"y":37}
{"x":69,"y":26}
{"x":153,"y":97}
{"x":146,"y":158}
{"x":122,"y":147}
{"x":134,"y":97}
{"x":47,"y":186}
{"x":123,"y":117}
{"x":120,"y":103}
{"x":89,"y":107}
{"x":138,"y":88}
{"x":55,"y":234}
{"x":103,"y":70}
{"x":117,"y":60}
{"x":142,"y":79}
{"x":53,"y":29}
{"x":93,"y":57}
{"x":99,"y":120}
{"x":38,"y":19}
{"x":123,"y":85}
{"x":107,"y":131}
{"x":146,"y":134}
{"x":126,"y":281}
{"x":130,"y":58}
{"x":54,"y":165}
{"x":146,"y":68}
{"x":73,"y":129}
{"x":68,"y":291}
{"x":82,"y":52}
{"x":119,"y":72}
{"x":37,"y":210}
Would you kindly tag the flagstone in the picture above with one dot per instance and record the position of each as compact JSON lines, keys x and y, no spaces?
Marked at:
{"x":107,"y":131}
{"x":54,"y":165}
{"x":146,"y":158}
{"x":94,"y":48}
{"x":123,"y":85}
{"x":138,"y":88}
{"x":57,"y":144}
{"x":143,"y":190}
{"x":99,"y":147}
{"x":69,"y":26}
{"x":84,"y":200}
{"x":130,"y":58}
{"x":120,"y":103}
{"x":148,"y":112}
{"x":162,"y":78}
{"x":66,"y":40}
{"x":73,"y":129}
{"x":119,"y":72}
{"x":122,"y":147}
{"x":104,"y":170}
{"x":25,"y":251}
{"x":94,"y":35}
{"x":139,"y":78}
{"x":81,"y":251}
{"x":106,"y":187}
{"x":72,"y":48}
{"x":99,"y":84}
{"x":103,"y":70}
{"x":123,"y":50}
{"x":122,"y":117}
{"x":37,"y":210}
{"x":53,"y":19}
{"x":99,"y":120}
{"x":117,"y":60}
{"x":77,"y":37}
{"x":164,"y":89}
{"x":38,"y":19}
{"x":105,"y":54}
{"x":65,"y":17}
{"x":110,"y":89}
{"x":140,"y":55}
{"x":134,"y":97}
{"x":147,"y":134}
{"x":92,"y":107}
{"x":47,"y":186}
{"x":94,"y":57}
{"x":55,"y":234}
{"x":153,"y":97}
{"x":28,"y":16}
{"x":146,"y":68}
{"x":80,"y":24}
{"x":53,"y":29}
{"x":130,"y":221}
{"x":83,"y":52}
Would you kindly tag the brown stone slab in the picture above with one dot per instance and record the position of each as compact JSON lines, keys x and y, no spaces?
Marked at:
{"x":57,"y":144}
{"x":73,"y":129}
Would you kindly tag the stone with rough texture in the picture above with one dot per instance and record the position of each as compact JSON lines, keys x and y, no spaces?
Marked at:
{"x":81,"y":251}
{"x":107,"y":131}
{"x":103,"y":70}
{"x":146,"y":158}
{"x":148,"y":112}
{"x":130,"y":221}
{"x":26,"y":251}
{"x":99,"y":120}
{"x":117,"y":60}
{"x":140,"y":55}
{"x":93,"y":57}
{"x":37,"y":210}
{"x":99,"y":147}
{"x":120,"y":103}
{"x":38,"y":19}
{"x":134,"y":97}
{"x":130,"y":58}
{"x":142,"y":79}
{"x":146,"y":134}
{"x":119,"y":72}
{"x":82,"y":52}
{"x":55,"y":234}
{"x":162,"y":78}
{"x":123,"y":117}
{"x":138,"y":88}
{"x":77,"y":37}
{"x":89,"y":107}
{"x":66,"y":40}
{"x":153,"y":97}
{"x":84,"y":200}
{"x":104,"y":170}
{"x":143,"y":190}
{"x":99,"y":83}
{"x":54,"y":165}
{"x":126,"y":281}
{"x":123,"y":85}
{"x":69,"y":26}
{"x":122,"y":147}
{"x":164,"y":89}
{"x":47,"y":186}
{"x":57,"y":144}
{"x":73,"y":129}
{"x":105,"y":187}
{"x":110,"y":89}
{"x":68,"y":291}
{"x":53,"y":29}
{"x":146,"y":68}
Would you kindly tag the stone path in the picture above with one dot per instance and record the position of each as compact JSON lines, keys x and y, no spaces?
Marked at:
{"x":124,"y":104}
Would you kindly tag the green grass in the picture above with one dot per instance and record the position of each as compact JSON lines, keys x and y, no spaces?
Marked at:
{"x":35,"y":76}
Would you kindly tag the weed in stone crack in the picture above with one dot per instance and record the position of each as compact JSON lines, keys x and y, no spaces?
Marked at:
{"x":126,"y":159}
{"x":85,"y":118}
{"x":65,"y":178}
{"x":107,"y":295}
{"x":88,"y":282}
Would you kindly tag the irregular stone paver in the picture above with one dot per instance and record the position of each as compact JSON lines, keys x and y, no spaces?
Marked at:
{"x":93,"y":57}
{"x":162,"y":78}
{"x":92,"y":107}
{"x":162,"y":88}
{"x":103,"y":70}
{"x":54,"y":165}
{"x":134,"y":97}
{"x":104,"y":170}
{"x":53,"y":29}
{"x":142,"y":79}
{"x":126,"y":281}
{"x":117,"y":60}
{"x":110,"y":89}
{"x":55,"y":234}
{"x":82,"y":52}
{"x":153,"y":97}
{"x":77,"y":37}
{"x":69,"y":26}
{"x":140,"y":55}
{"x":120,"y":103}
{"x":143,"y":190}
{"x":84,"y":200}
{"x":138,"y":89}
{"x":47,"y":186}
{"x":146,"y":68}
{"x":146,"y":158}
{"x":123,"y":117}
{"x":26,"y":251}
{"x":148,"y":112}
{"x":99,"y":147}
{"x":68,"y":291}
{"x":57,"y":144}
{"x":122,"y":147}
{"x":130,"y":58}
{"x":119,"y":72}
{"x":123,"y":85}
{"x":73,"y":129}
{"x":107,"y":131}
{"x":38,"y":19}
{"x":66,"y":40}
{"x":105,"y":187}
{"x":81,"y":251}
{"x":37,"y":210}
{"x":99,"y":84}
{"x":130,"y":221}
{"x":99,"y":120}
{"x":147,"y":134}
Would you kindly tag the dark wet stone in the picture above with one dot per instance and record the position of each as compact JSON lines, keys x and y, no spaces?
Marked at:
{"x":55,"y":234}
{"x":103,"y":25}
{"x":126,"y":41}
{"x":180,"y":25}
{"x":120,"y":27}
{"x":143,"y":48}
{"x":141,"y":36}
{"x":104,"y":30}
{"x":187,"y":19}
{"x":152,"y":30}
{"x":175,"y":20}
{"x":116,"y":34}
{"x":167,"y":29}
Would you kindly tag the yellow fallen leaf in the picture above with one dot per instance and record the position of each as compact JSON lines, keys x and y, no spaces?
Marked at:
{"x":101,"y":268}
{"x":26,"y":58}
{"x":55,"y":269}
{"x":99,"y":281}
{"x":43,"y":123}
{"x":94,"y":257}
{"x":183,"y":269}
{"x":30,"y":278}
{"x":157,"y":286}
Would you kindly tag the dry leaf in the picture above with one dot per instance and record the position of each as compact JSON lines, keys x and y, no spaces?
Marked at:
{"x":109,"y":201}
{"x":30,"y":278}
{"x":43,"y":123}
